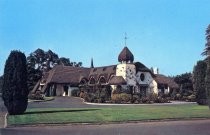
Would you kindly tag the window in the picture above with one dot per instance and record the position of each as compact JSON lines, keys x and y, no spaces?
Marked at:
{"x":92,"y":80}
{"x":102,"y":80}
{"x":142,"y":77}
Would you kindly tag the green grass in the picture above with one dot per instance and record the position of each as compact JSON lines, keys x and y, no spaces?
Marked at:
{"x":111,"y":114}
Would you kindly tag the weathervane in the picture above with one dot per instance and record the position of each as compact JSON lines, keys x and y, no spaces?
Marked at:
{"x":126,"y":39}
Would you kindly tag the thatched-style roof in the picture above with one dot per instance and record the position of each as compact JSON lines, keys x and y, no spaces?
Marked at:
{"x":65,"y":75}
{"x":106,"y":72}
{"x":117,"y":80}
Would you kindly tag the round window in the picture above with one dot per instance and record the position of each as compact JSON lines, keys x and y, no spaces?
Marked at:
{"x":142,"y":77}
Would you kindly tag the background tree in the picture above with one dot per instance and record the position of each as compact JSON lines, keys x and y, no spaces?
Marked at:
{"x":40,"y":61}
{"x":185,"y":84}
{"x":65,"y":61}
{"x":15,"y":90}
{"x":199,"y":74}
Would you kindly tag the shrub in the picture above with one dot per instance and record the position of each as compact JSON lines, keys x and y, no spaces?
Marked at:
{"x":191,"y":98}
{"x":135,"y":99}
{"x":36,"y":96}
{"x":158,"y":99}
{"x":145,"y":100}
{"x":177,"y":96}
{"x":121,"y":98}
{"x":75,"y":93}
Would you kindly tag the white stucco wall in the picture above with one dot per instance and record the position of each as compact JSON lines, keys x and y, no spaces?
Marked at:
{"x":128,"y":72}
{"x":154,"y":86}
{"x":148,"y":80}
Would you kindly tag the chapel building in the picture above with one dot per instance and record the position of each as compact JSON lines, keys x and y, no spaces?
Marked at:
{"x":127,"y":75}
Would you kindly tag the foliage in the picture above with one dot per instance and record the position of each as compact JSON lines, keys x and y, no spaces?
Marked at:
{"x":207,"y":80}
{"x":38,"y":62}
{"x":199,"y":74}
{"x":207,"y":45}
{"x":41,"y":61}
{"x":192,"y":98}
{"x":15,"y":90}
{"x":164,"y":98}
{"x":36,"y":96}
{"x":185,"y":84}
{"x":121,"y":98}
{"x":98,"y":95}
{"x":207,"y":53}
{"x":65,"y":61}
{"x":75,"y":93}
{"x":1,"y":83}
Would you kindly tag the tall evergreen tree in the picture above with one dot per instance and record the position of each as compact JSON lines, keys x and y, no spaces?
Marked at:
{"x":199,"y":74}
{"x":207,"y":53}
{"x":15,"y":90}
{"x":1,"y":83}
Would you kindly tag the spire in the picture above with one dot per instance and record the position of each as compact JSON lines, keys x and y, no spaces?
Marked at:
{"x":126,"y":39}
{"x":92,"y":66}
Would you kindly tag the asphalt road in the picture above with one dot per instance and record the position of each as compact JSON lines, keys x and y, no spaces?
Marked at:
{"x":198,"y":127}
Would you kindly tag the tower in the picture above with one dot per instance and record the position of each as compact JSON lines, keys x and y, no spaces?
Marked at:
{"x":126,"y":68}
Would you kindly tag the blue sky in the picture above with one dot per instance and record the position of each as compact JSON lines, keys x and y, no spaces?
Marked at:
{"x":168,"y":34}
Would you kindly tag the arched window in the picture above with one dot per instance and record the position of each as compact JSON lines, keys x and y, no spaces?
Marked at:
{"x":92,"y":80}
{"x":102,"y":80}
{"x":83,"y":81}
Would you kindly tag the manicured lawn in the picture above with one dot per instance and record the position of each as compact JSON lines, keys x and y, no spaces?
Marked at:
{"x":111,"y":114}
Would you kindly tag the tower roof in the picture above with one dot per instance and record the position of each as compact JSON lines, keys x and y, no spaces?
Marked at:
{"x":125,"y":55}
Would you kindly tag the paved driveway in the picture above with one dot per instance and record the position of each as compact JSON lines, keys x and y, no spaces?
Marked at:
{"x":61,"y":102}
{"x":72,"y":102}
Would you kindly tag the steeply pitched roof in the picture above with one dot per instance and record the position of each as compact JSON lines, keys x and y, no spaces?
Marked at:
{"x":65,"y":75}
{"x":161,"y":79}
{"x":141,"y":67}
{"x":106,"y":72}
{"x":125,"y":55}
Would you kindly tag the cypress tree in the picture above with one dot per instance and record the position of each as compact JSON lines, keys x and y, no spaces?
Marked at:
{"x":199,"y":74}
{"x":15,"y":90}
{"x":207,"y":80}
{"x":207,"y":53}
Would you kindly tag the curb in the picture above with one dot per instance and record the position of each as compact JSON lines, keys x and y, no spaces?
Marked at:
{"x":106,"y":123}
{"x":158,"y":104}
{"x":5,"y":120}
{"x":31,"y":101}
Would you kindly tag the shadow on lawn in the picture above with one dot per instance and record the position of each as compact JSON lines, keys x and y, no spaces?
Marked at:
{"x":55,"y":111}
